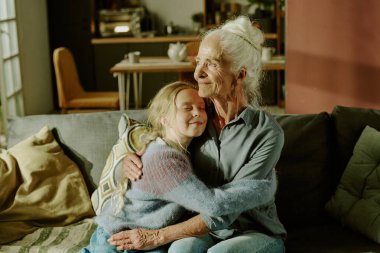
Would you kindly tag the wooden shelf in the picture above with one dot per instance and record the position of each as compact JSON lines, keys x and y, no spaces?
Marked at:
{"x":276,"y":63}
{"x":123,"y":40}
{"x":271,"y":36}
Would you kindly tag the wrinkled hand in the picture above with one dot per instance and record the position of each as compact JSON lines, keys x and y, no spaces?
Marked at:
{"x":136,"y":239}
{"x":132,"y":166}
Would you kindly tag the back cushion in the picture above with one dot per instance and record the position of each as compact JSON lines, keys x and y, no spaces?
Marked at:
{"x":86,"y":138}
{"x":304,"y":168}
{"x":348,"y":124}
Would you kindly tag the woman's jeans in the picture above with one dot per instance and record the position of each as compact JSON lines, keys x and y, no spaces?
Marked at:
{"x":252,"y":242}
{"x":99,"y":244}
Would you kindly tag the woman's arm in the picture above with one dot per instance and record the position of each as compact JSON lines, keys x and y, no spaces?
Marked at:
{"x":211,"y":201}
{"x":145,"y":239}
{"x":168,"y":176}
{"x":260,"y":164}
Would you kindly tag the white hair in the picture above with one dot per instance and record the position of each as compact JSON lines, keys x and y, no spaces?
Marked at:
{"x":239,"y":39}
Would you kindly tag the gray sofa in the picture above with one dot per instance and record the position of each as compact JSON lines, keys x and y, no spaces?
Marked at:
{"x":317,"y":149}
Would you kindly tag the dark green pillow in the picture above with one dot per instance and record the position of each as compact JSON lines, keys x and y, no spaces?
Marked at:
{"x":356,"y":202}
{"x":348,"y":124}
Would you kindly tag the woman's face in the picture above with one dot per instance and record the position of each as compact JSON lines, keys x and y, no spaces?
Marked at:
{"x":190,"y":115}
{"x":213,"y":70}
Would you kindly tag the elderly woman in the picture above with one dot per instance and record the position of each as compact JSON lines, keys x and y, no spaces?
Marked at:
{"x":240,"y":142}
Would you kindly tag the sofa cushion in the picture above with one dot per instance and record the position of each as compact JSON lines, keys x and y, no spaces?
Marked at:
{"x":86,"y":138}
{"x":348,"y":124}
{"x":304,"y":168}
{"x":40,"y":186}
{"x":131,"y":139}
{"x":356,"y":202}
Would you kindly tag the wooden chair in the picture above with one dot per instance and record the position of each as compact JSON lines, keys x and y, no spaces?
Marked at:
{"x":71,"y":95}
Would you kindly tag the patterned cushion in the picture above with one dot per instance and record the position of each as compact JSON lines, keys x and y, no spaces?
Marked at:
{"x":132,"y":138}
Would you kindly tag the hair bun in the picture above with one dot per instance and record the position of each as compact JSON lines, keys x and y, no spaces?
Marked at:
{"x":246,"y":30}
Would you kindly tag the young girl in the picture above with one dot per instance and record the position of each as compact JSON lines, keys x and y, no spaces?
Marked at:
{"x":177,"y":115}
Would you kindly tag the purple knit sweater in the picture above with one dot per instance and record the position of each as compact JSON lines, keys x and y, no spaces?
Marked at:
{"x":168,"y":187}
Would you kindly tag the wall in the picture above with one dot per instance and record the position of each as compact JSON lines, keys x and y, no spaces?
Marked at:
{"x":332,"y":54}
{"x":34,"y":55}
{"x":177,"y":11}
{"x":70,"y":26}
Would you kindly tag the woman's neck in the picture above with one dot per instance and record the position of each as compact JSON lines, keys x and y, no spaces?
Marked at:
{"x":227,"y":110}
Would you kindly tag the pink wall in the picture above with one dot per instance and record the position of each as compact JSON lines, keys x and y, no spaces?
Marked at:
{"x":332,"y":54}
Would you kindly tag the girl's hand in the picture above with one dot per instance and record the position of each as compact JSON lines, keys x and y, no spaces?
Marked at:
{"x":137,"y":239}
{"x":132,"y":166}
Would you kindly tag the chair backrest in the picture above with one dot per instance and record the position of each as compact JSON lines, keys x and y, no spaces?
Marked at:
{"x":68,"y":83}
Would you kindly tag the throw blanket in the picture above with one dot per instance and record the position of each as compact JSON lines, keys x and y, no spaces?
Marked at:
{"x":68,"y":239}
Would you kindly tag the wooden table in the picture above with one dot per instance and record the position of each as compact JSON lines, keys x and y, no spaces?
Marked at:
{"x":124,"y":70}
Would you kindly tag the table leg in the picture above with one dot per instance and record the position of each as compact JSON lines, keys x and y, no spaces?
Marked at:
{"x":128,"y":88}
{"x":140,"y":89}
{"x":121,"y":84}
{"x":136,"y":89}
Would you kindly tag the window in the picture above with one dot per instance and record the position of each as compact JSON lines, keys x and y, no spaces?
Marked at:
{"x":10,"y":74}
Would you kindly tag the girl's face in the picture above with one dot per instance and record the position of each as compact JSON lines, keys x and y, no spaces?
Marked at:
{"x":189,"y":119}
{"x":213,"y":70}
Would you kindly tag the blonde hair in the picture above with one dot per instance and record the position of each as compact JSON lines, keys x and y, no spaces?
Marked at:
{"x":161,"y":106}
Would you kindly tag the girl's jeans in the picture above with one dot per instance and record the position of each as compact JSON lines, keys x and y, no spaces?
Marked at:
{"x":99,"y":244}
{"x":251,"y":242}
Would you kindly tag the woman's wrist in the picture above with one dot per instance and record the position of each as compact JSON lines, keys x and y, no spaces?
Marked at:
{"x":190,"y":228}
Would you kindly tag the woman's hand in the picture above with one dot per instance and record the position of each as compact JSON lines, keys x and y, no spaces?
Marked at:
{"x":137,"y":239}
{"x":132,"y":166}
{"x":145,"y":239}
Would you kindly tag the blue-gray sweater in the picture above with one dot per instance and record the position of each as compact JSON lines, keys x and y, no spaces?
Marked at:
{"x":168,"y":186}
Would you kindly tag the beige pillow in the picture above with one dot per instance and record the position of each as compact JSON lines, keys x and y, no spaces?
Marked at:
{"x":132,"y":138}
{"x":40,"y":186}
{"x":356,"y":202}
